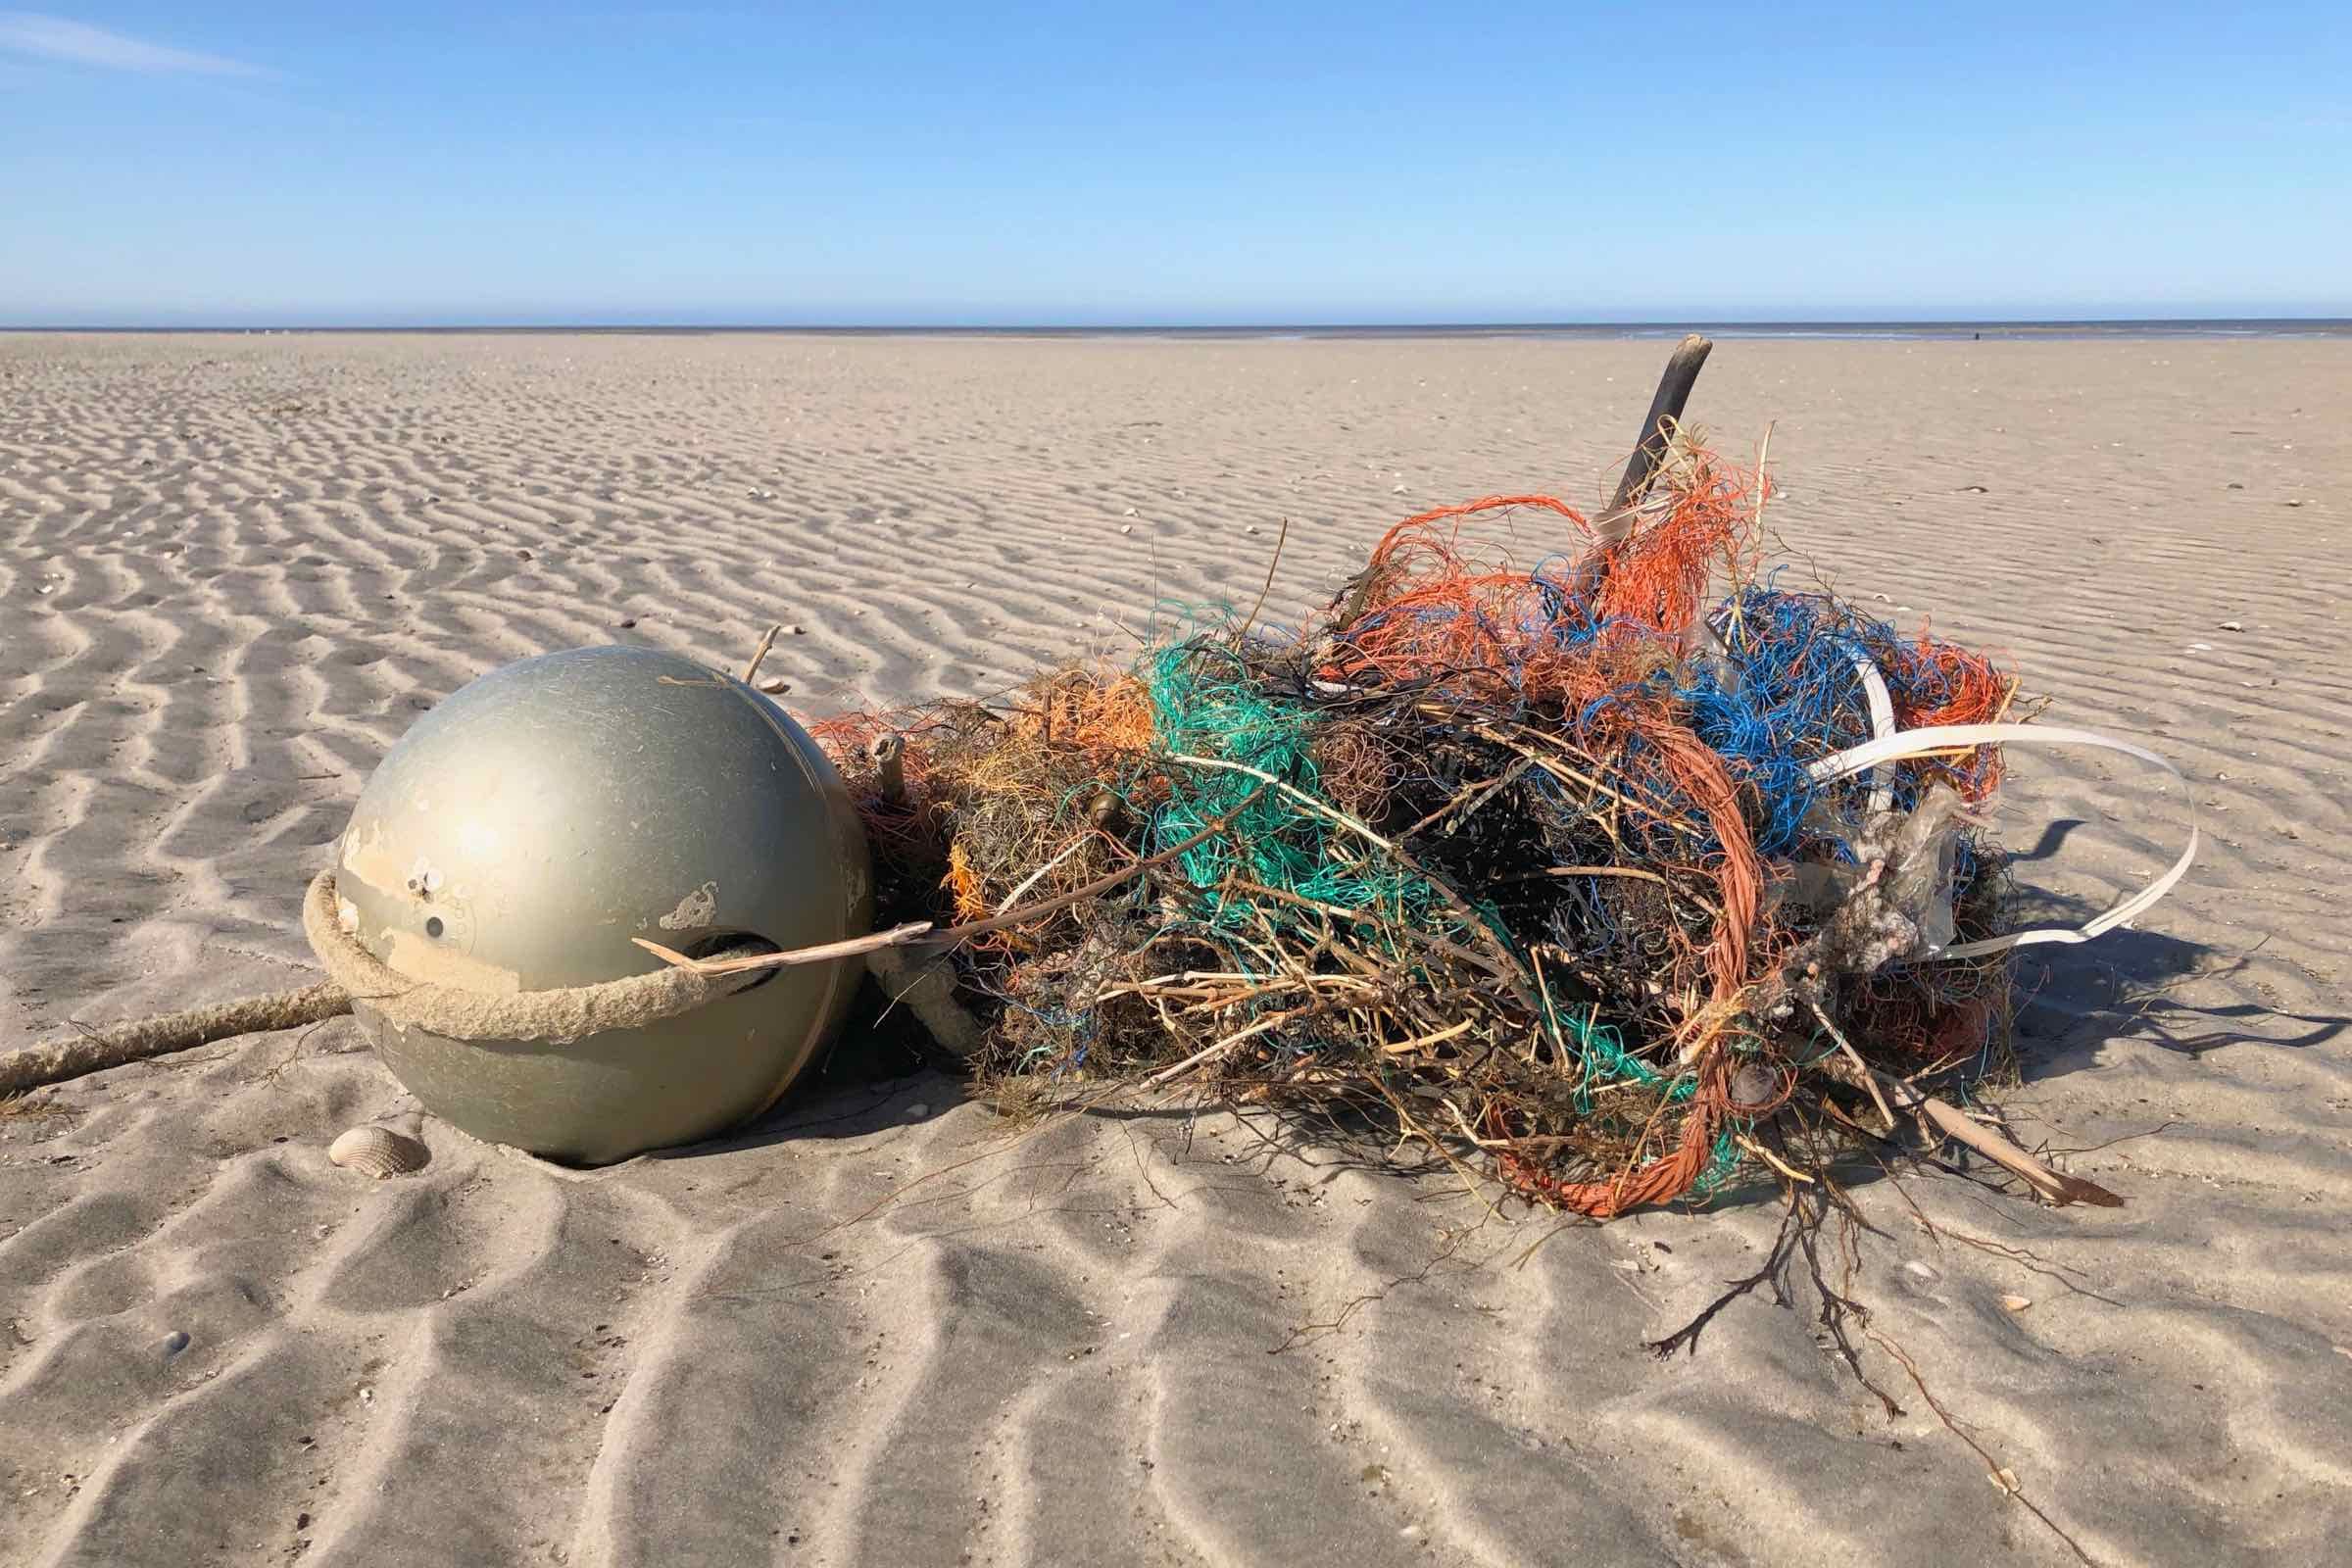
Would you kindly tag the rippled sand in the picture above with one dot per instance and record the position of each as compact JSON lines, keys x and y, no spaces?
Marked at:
{"x":232,"y":570}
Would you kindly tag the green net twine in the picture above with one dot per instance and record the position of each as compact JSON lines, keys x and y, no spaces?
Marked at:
{"x":1723,"y":1163}
{"x":1206,"y":703}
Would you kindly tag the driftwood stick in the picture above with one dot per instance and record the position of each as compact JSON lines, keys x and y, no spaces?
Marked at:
{"x":1861,"y":1074}
{"x":1665,"y":412}
{"x":2055,"y":1186}
{"x":1949,"y":1120}
{"x":897,"y":936}
{"x":889,"y":754}
{"x":73,"y":1055}
{"x":768,"y":639}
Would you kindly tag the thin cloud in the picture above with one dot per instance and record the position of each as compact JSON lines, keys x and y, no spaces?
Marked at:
{"x":78,"y":43}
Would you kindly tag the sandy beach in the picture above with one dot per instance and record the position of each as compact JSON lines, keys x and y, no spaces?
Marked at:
{"x":234,"y":569}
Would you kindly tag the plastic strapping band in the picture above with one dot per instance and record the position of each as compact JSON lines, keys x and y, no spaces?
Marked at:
{"x":1935,"y":738}
{"x":1881,"y":726}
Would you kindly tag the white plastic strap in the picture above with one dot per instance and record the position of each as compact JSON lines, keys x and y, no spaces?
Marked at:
{"x":1913,"y":743}
{"x":1881,"y":726}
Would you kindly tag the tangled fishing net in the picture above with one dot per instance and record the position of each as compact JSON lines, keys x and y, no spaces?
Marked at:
{"x":1559,"y":866}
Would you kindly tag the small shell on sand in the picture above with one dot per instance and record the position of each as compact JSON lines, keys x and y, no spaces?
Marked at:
{"x":379,"y":1151}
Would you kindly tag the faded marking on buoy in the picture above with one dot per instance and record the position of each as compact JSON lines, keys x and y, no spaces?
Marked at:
{"x":369,"y":860}
{"x":697,"y":909}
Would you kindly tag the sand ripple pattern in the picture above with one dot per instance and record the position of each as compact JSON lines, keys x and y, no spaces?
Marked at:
{"x":234,"y":569}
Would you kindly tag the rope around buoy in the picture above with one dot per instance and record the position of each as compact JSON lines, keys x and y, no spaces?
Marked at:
{"x":557,"y":1016}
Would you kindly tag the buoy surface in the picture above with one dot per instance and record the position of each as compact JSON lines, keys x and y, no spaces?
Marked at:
{"x":530,"y":825}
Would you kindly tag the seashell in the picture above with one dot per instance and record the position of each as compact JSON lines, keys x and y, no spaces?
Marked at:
{"x":379,"y":1151}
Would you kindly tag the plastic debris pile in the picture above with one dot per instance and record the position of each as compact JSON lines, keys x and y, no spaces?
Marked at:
{"x":1570,"y":869}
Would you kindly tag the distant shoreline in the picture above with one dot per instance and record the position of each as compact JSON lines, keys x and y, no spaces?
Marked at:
{"x":1894,"y":331}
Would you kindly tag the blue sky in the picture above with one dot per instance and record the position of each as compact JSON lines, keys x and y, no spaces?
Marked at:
{"x":1093,"y":164}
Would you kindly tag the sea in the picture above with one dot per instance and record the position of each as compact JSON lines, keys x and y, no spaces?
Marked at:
{"x":1891,"y":331}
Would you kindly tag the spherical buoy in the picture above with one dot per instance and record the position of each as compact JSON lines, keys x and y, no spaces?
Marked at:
{"x":531,"y":824}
